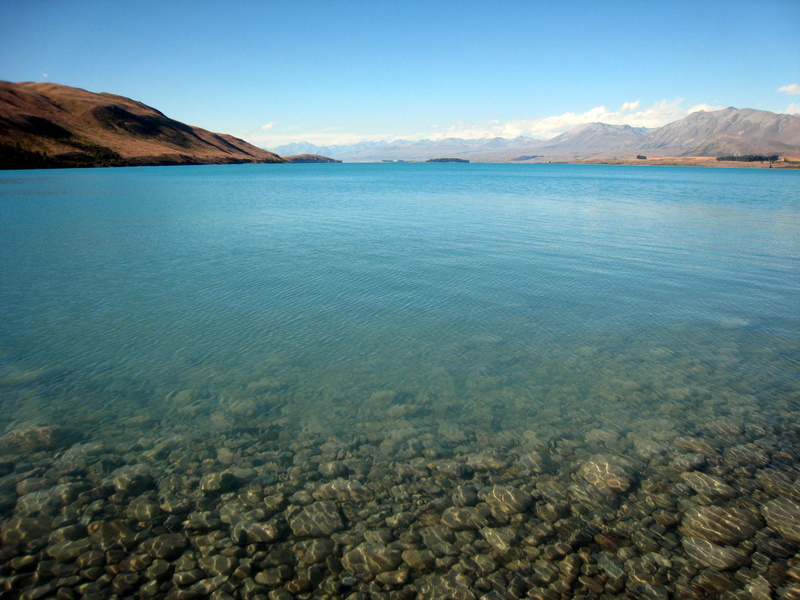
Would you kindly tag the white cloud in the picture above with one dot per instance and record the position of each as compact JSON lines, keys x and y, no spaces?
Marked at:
{"x":657,"y":114}
{"x":629,"y":106}
{"x":792,"y":89}
{"x":792,"y":109}
{"x":268,"y":126}
{"x":320,"y":138}
{"x":630,"y":113}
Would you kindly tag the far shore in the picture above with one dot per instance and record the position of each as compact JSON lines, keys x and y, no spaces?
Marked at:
{"x":788,"y":162}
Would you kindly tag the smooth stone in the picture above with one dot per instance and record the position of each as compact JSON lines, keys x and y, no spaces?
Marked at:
{"x":24,"y":530}
{"x":783,"y":516}
{"x":421,"y":560}
{"x":446,"y":587}
{"x":314,"y":551}
{"x":373,"y":560}
{"x":714,"y":556}
{"x":463,"y":518}
{"x":167,"y":546}
{"x":69,"y":551}
{"x":344,"y":490}
{"x":218,"y":565}
{"x":465,"y":495}
{"x":603,"y":470}
{"x":250,"y":532}
{"x":319,"y":519}
{"x":333,"y":469}
{"x":708,"y":485}
{"x":132,"y":482}
{"x":501,"y":539}
{"x":537,"y":463}
{"x":746,"y":455}
{"x":487,"y":461}
{"x":690,"y":461}
{"x":508,"y":500}
{"x":219,"y":483}
{"x":777,"y":483}
{"x":32,"y":439}
{"x":721,"y":525}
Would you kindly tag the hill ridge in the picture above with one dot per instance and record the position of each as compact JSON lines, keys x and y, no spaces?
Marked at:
{"x":52,"y":125}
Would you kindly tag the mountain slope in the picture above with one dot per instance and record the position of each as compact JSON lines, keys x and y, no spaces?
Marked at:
{"x":595,"y":137}
{"x":51,"y":125}
{"x":729,"y":131}
{"x":738,"y":131}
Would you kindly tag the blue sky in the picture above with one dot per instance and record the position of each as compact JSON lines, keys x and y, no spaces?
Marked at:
{"x":337,"y":72}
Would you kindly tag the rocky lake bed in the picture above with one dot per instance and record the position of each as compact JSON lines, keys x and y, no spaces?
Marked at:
{"x":405,"y":508}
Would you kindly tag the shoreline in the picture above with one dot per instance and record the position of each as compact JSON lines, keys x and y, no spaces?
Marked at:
{"x":788,"y":162}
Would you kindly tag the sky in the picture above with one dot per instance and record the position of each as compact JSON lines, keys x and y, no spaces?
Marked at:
{"x":339,"y":71}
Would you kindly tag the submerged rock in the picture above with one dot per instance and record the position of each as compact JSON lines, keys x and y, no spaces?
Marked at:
{"x":463,"y":518}
{"x":33,"y":439}
{"x":707,"y":554}
{"x":319,"y":519}
{"x":508,"y":500}
{"x":372,"y":559}
{"x":608,"y":471}
{"x":721,"y":525}
{"x":167,"y":546}
{"x":344,"y":490}
{"x":708,"y":485}
{"x":783,"y":516}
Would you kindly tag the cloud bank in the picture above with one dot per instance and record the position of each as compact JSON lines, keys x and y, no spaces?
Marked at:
{"x":792,"y":89}
{"x":630,"y":113}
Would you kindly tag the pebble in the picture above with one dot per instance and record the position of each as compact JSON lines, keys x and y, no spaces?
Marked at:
{"x":508,"y":500}
{"x":371,"y":559}
{"x":466,"y":517}
{"x":32,"y":439}
{"x":344,"y":491}
{"x":250,"y":532}
{"x":709,"y":485}
{"x":721,"y":525}
{"x":132,"y":482}
{"x":167,"y":546}
{"x":501,"y":539}
{"x":783,"y":516}
{"x":319,"y":519}
{"x":607,"y":471}
{"x":219,"y":482}
{"x":420,"y":560}
{"x":707,"y":554}
{"x":314,"y":551}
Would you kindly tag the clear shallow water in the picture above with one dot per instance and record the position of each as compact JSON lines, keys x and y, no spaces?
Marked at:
{"x":400,"y":381}
{"x":340,"y":298}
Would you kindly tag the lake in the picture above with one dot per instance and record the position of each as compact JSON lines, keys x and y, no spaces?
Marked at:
{"x":533,"y":362}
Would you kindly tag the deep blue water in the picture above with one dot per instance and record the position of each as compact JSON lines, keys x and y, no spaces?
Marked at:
{"x":507,"y":296}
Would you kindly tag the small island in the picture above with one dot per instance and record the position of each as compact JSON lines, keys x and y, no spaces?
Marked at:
{"x":448,"y":160}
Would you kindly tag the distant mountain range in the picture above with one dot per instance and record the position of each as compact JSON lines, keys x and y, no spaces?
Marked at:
{"x":49,"y":125}
{"x":725,"y":132}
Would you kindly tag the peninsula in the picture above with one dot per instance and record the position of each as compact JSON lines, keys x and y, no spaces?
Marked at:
{"x":46,"y":125}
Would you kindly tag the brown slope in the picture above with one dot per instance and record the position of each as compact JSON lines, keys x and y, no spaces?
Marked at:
{"x":51,"y":125}
{"x":726,"y":131}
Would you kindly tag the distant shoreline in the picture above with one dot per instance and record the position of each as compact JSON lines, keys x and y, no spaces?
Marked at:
{"x":789,"y":162}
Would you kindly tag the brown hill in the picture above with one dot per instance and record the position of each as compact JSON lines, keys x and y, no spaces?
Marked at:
{"x":724,"y":132}
{"x":51,"y":125}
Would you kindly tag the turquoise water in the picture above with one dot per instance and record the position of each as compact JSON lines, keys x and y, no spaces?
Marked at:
{"x":341,"y":298}
{"x":428,"y":381}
